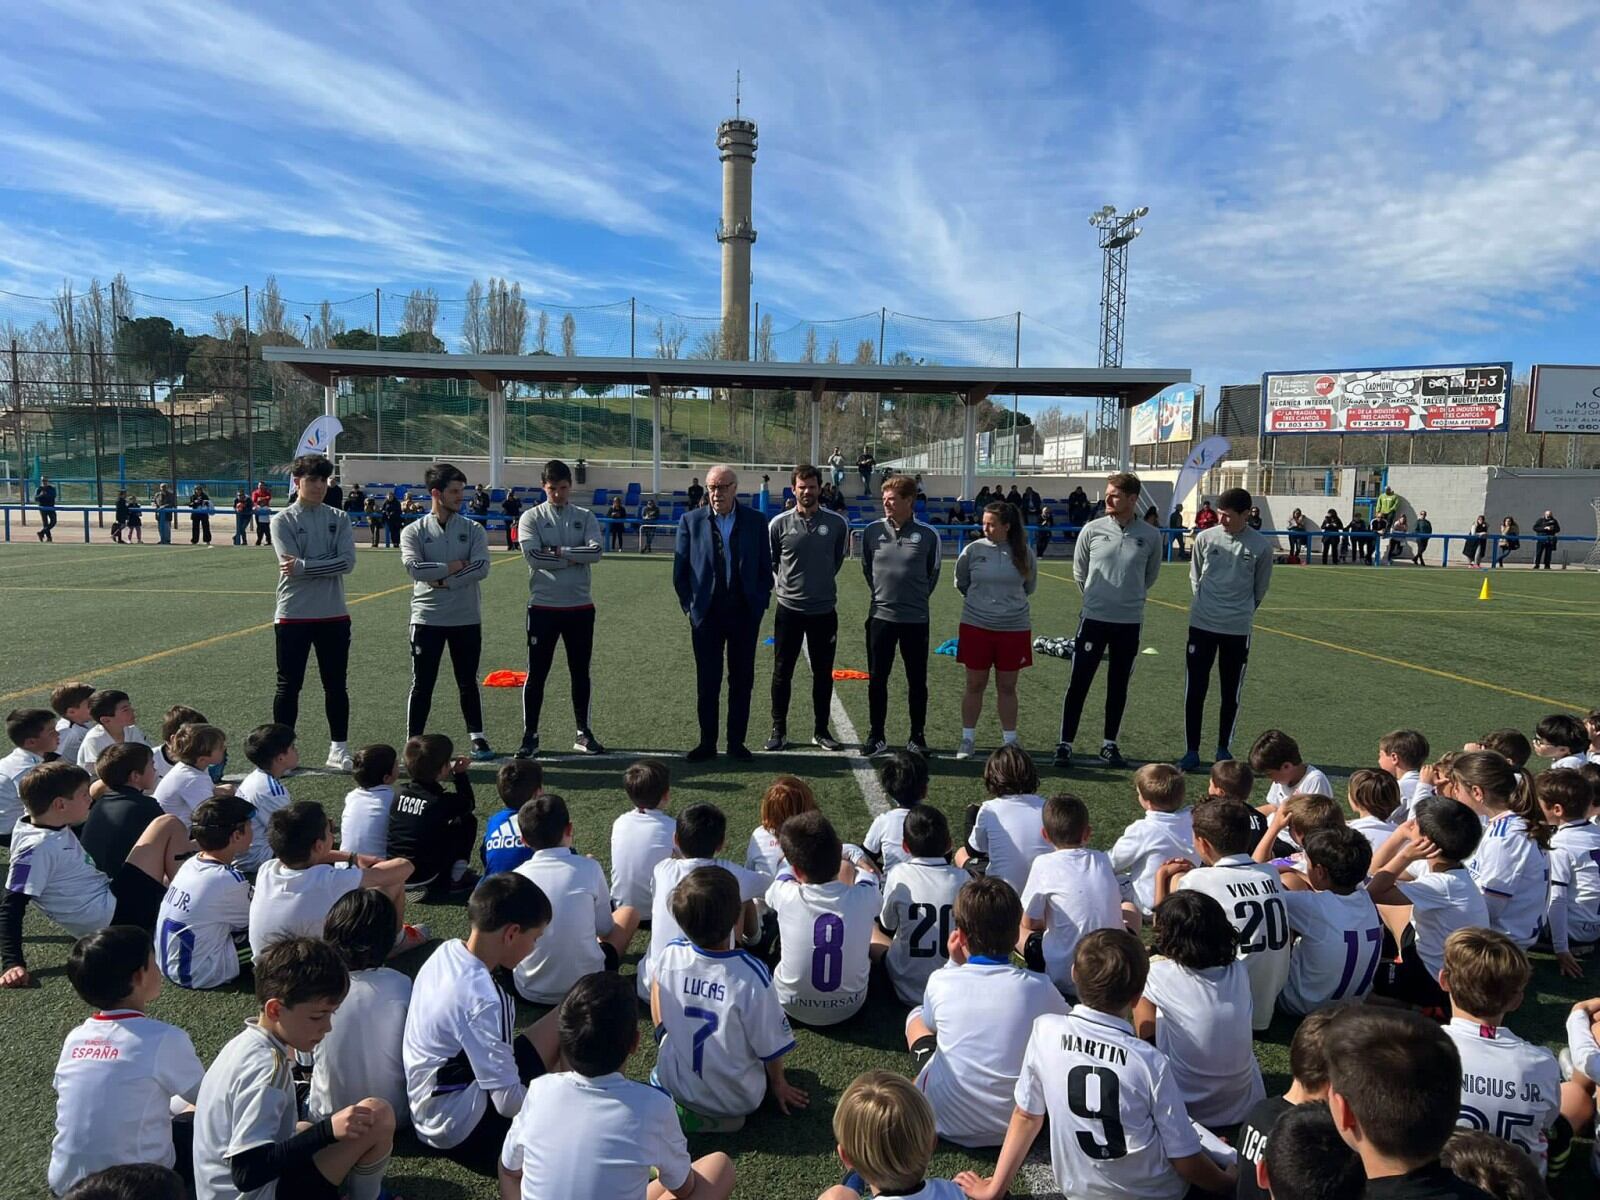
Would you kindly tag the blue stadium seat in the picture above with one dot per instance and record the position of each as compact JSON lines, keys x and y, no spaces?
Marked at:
{"x":602,"y":497}
{"x":635,"y":491}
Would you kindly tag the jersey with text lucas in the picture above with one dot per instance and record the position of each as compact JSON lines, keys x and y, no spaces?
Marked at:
{"x":826,"y":933}
{"x":1509,"y":1087}
{"x":720,"y":1024}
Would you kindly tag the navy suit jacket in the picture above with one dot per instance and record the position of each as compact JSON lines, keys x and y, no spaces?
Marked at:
{"x":694,"y":563}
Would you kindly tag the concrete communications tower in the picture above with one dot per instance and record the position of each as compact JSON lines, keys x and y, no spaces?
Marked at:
{"x":736,"y":139}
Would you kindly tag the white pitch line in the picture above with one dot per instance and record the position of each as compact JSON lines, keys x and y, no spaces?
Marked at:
{"x":860,"y":765}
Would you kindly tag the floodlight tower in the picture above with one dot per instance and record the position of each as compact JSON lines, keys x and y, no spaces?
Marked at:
{"x":1116,"y":232}
{"x":736,"y":138}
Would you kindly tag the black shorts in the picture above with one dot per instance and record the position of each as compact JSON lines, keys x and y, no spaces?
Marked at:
{"x":304,"y":1181}
{"x":481,"y":1148}
{"x":138,"y":898}
{"x":1408,"y":979}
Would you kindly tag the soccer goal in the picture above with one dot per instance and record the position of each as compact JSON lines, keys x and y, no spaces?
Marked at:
{"x":1592,"y":561}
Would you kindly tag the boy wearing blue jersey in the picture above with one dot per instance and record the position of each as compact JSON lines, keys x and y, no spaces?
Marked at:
{"x":503,"y":849}
{"x":721,"y":1032}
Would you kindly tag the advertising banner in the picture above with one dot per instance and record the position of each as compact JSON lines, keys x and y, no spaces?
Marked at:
{"x":1201,"y":459}
{"x":1564,"y":400}
{"x":1168,"y":416}
{"x":1460,"y":398}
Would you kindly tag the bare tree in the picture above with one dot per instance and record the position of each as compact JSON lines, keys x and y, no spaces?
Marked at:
{"x":273,"y":319}
{"x":569,"y":336}
{"x":421,"y":312}
{"x":507,"y":318}
{"x":329,"y":326}
{"x":669,"y":344}
{"x":808,"y":353}
{"x":474,"y":328}
{"x":541,"y":333}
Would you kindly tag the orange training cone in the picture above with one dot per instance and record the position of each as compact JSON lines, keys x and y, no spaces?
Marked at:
{"x":1483,"y":592}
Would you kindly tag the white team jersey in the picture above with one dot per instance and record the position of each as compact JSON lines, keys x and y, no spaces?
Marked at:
{"x":70,"y":737}
{"x":931,"y":1189}
{"x":362,"y":1056}
{"x":115,"y":1081}
{"x":1375,"y":831}
{"x":12,"y":768}
{"x":1575,"y":884}
{"x":1251,"y":895}
{"x":96,"y":739}
{"x":826,"y":933}
{"x":206,"y":904}
{"x":1010,"y":830}
{"x":268,"y":795}
{"x":1203,"y":1026}
{"x":720,"y":1023}
{"x":1569,"y":762}
{"x":763,"y":854}
{"x":364,"y":823}
{"x":1409,"y":782}
{"x":1116,"y":1112}
{"x":163,"y":761}
{"x":1313,"y":783}
{"x":1509,"y":1087}
{"x":52,"y":868}
{"x":457,"y":1046}
{"x":981,"y":1012}
{"x":668,"y":874}
{"x":247,"y":1100}
{"x":1073,"y":892}
{"x":886,"y":838}
{"x":640,"y":838}
{"x":182,"y":790}
{"x":581,"y":906}
{"x":1149,"y":842}
{"x":1336,"y":954}
{"x":593,"y":1138}
{"x":918,"y":897}
{"x":1441,"y":903}
{"x":295,"y":903}
{"x":1513,"y":873}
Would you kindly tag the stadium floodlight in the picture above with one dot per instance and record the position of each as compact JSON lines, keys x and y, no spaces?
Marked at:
{"x":1116,"y":232}
{"x":1140,"y":211}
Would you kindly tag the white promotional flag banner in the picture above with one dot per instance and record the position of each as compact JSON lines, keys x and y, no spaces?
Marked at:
{"x":1204,"y":456}
{"x":319,"y":436}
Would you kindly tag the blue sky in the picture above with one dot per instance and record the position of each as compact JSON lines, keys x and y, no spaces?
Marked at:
{"x":1330,"y":183}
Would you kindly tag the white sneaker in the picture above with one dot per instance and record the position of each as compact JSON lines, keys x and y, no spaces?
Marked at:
{"x":966,"y":748}
{"x":340,"y":760}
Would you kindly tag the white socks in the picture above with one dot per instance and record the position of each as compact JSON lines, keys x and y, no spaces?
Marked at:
{"x":341,"y":747}
{"x":365,"y":1181}
{"x":458,"y":871}
{"x":969,"y":735}
{"x":1107,"y":743}
{"x":1008,"y":737}
{"x":476,"y":737}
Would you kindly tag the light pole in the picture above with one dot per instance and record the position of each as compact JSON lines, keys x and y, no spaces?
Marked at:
{"x":1116,"y":232}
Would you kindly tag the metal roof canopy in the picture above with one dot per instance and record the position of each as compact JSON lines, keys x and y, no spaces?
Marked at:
{"x":493,"y":371}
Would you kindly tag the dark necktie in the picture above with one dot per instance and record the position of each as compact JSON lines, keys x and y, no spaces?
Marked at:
{"x":722,"y":559}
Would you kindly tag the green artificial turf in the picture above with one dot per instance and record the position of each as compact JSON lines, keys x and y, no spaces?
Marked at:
{"x":1340,"y":656}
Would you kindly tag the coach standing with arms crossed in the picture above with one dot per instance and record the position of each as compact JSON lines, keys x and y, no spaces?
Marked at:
{"x":1117,"y":559}
{"x":560,"y":542}
{"x":316,"y":550}
{"x":900,"y":556}
{"x":808,"y":547}
{"x":447,"y":555}
{"x":722,"y":572}
{"x":1230,"y":572}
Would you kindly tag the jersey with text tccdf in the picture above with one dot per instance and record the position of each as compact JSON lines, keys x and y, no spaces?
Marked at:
{"x":919,"y":896}
{"x":720,"y":1023}
{"x":206,"y":904}
{"x":981,"y":1012}
{"x":115,"y":1081}
{"x":1508,"y":1086}
{"x":1336,"y":956}
{"x":826,"y":933}
{"x":1251,"y":895}
{"x":1116,"y":1112}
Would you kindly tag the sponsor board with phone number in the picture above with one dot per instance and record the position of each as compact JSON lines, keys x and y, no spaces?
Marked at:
{"x":1469,"y":398}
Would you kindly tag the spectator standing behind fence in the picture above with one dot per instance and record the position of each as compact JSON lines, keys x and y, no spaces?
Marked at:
{"x":393,"y":517}
{"x":1510,"y":543}
{"x":1423,"y":528}
{"x":374,"y":513}
{"x":511,"y":506}
{"x":243,"y":511}
{"x":617,"y":515}
{"x":1397,"y":537}
{"x":1254,"y":521}
{"x":119,"y":517}
{"x":262,"y":497}
{"x":1205,"y":517}
{"x":1042,"y":534}
{"x":1474,"y":547}
{"x":1299,"y":537}
{"x":696,"y":493}
{"x":1332,"y":527}
{"x":45,"y":497}
{"x":165,"y":500}
{"x":836,"y":463}
{"x":1546,"y":527}
{"x":335,"y":496}
{"x":1388,"y":505}
{"x":1175,"y":528}
{"x":355,"y":503}
{"x":650,"y":512}
{"x":1359,"y":538}
{"x":135,"y":519}
{"x":199,"y":515}
{"x":864,"y":466}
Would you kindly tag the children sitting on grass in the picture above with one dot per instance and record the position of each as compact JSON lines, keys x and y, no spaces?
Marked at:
{"x":1572,"y":918}
{"x":32,"y":731}
{"x":1375,"y":797}
{"x":884,"y":1131}
{"x":641,"y":837}
{"x":364,"y":820}
{"x":903,"y":775}
{"x":1071,"y":891}
{"x":48,"y":865}
{"x":1308,"y":1081}
{"x":503,"y":849}
{"x":1006,"y":834}
{"x":1401,"y":755}
{"x":204,"y":924}
{"x":272,"y":754}
{"x":113,"y":717}
{"x":1511,"y":864}
{"x":1277,"y":756}
{"x":124,"y":809}
{"x":1338,"y":933}
{"x":434,"y":830}
{"x":195,"y":749}
{"x":70,"y":703}
{"x":1163,"y":833}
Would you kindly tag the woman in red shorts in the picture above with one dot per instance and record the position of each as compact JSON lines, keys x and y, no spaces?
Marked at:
{"x":996,"y":574}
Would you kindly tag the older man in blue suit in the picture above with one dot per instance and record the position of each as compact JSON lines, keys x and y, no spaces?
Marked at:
{"x":722,"y":570}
